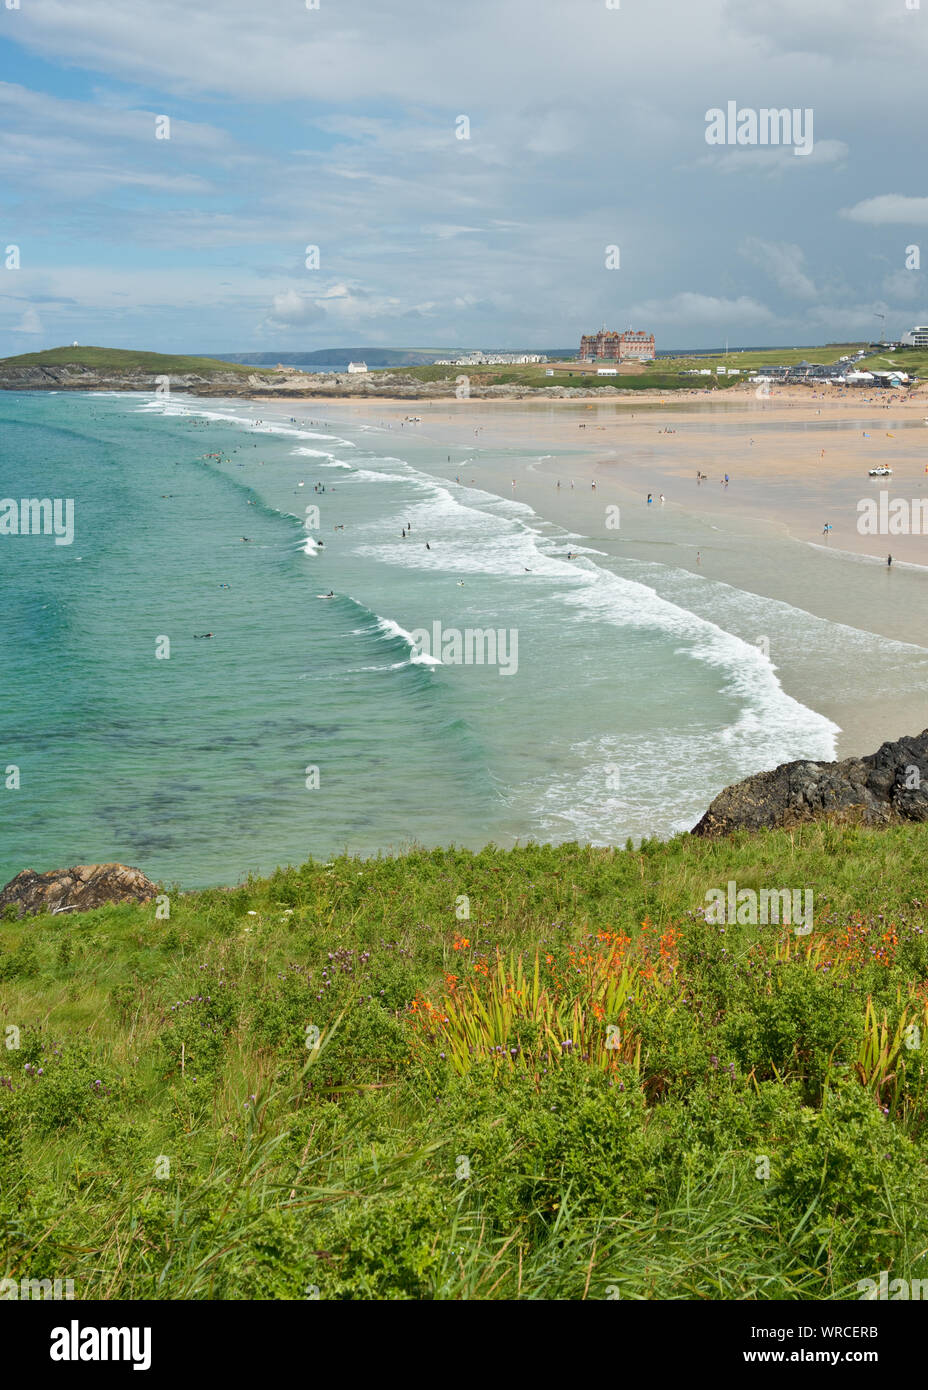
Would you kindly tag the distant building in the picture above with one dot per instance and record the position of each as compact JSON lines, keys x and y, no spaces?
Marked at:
{"x":607,"y":371}
{"x":617,"y":347}
{"x":916,"y":337}
{"x":357,"y":366}
{"x":492,"y":359}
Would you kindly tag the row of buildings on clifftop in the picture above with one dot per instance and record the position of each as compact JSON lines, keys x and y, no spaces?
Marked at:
{"x":617,"y":347}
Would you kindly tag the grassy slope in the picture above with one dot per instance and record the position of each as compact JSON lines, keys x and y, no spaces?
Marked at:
{"x":181,"y":1141}
{"x":911,"y":360}
{"x":661,"y":375}
{"x":534,"y":376}
{"x":121,"y":359}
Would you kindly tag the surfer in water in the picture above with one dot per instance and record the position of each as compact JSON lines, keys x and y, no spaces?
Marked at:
{"x":198,"y":635}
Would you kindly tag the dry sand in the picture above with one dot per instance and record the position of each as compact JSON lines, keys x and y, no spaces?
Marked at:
{"x":761,"y":535}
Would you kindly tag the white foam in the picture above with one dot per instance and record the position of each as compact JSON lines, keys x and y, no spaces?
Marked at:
{"x":389,"y":628}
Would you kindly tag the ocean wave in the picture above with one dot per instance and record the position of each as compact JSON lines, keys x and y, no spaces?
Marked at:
{"x":392,"y":630}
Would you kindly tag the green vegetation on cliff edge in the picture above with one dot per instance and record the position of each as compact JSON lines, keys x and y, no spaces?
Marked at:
{"x":537,"y":1074}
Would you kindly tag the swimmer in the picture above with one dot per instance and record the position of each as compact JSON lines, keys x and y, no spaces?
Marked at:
{"x":198,"y":635}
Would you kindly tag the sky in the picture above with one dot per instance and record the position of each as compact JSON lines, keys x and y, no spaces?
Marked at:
{"x":463,"y":170}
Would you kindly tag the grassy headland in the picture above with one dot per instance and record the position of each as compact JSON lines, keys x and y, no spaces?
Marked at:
{"x":124,"y":359}
{"x":538,"y":1073}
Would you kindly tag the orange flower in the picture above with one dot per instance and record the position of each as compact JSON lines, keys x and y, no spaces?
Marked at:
{"x":461,"y":943}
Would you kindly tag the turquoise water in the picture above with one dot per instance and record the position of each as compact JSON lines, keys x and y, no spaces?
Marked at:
{"x":623,"y":714}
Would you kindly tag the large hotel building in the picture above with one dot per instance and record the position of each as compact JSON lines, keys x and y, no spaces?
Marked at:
{"x":616,"y":347}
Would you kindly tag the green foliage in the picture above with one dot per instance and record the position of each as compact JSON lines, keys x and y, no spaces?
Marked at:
{"x":121,"y":359}
{"x":166,"y":1132}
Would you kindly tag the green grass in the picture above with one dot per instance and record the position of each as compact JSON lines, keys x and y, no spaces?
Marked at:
{"x":121,"y":359}
{"x":911,"y":360}
{"x":760,"y":1132}
{"x":754,"y":359}
{"x":664,"y":374}
{"x":532,"y":377}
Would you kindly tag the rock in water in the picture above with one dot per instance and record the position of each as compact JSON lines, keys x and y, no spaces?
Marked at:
{"x":886,"y":787}
{"x":77,"y":890}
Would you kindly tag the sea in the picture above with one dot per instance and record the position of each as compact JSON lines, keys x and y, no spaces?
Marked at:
{"x":179,"y":692}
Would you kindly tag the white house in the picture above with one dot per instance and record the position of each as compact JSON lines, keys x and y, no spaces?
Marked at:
{"x":606,"y":371}
{"x":357,"y":366}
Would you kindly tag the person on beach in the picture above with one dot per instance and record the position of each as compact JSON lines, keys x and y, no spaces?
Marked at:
{"x":650,"y":499}
{"x":698,"y":561}
{"x":889,"y":562}
{"x":662,"y":499}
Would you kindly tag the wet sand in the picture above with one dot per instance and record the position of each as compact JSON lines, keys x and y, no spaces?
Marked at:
{"x":760,"y":535}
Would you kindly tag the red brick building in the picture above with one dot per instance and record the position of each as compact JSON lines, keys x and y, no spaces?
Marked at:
{"x":616,"y":347}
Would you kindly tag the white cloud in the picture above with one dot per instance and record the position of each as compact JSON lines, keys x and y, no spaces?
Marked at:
{"x":905,"y":286}
{"x":29,"y":323}
{"x":292,"y":308}
{"x":784,"y":263}
{"x":700,"y":310}
{"x":889,"y":208}
{"x":771,"y":159}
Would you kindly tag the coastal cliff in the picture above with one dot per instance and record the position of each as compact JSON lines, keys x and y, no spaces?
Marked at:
{"x":884,"y":788}
{"x":285,"y":383}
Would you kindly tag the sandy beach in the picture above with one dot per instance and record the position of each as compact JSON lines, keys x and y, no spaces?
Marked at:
{"x":796,"y":460}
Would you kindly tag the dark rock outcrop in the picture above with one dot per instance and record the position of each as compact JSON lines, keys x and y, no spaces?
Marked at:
{"x":80,"y":889}
{"x":886,"y":787}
